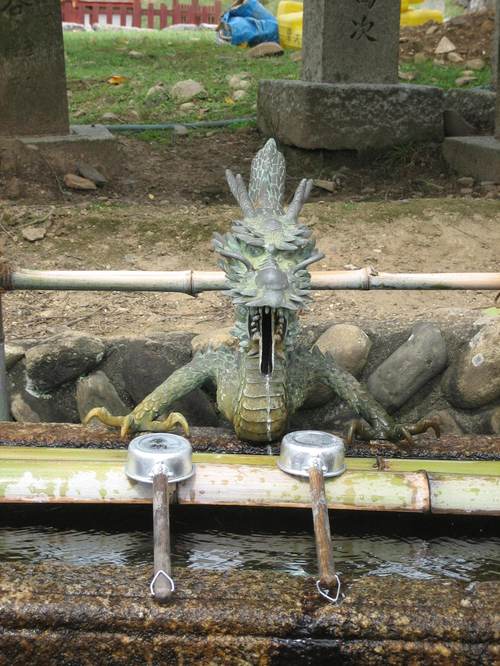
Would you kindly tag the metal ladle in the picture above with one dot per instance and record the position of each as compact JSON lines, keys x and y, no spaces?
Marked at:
{"x":160,"y":459}
{"x":316,"y":455}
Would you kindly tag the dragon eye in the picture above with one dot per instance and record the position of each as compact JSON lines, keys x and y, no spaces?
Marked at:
{"x":255,"y":250}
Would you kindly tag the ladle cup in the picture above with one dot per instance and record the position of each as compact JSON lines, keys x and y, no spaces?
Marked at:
{"x":160,"y":459}
{"x":316,"y":455}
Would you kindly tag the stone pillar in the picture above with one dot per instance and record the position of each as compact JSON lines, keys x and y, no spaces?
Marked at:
{"x":351,"y":41}
{"x":349,"y":97}
{"x":33,"y":97}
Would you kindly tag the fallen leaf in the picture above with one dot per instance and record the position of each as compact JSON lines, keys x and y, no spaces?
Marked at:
{"x":117,"y":80}
{"x":229,"y":100}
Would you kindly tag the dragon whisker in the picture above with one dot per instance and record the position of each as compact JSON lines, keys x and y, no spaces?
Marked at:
{"x":315,"y":257}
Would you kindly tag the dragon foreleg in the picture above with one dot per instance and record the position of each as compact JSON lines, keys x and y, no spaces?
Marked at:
{"x":379,"y":425}
{"x":144,"y":416}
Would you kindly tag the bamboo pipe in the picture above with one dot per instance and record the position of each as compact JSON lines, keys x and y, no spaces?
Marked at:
{"x":162,"y":585}
{"x":194,"y":282}
{"x":44,"y":475}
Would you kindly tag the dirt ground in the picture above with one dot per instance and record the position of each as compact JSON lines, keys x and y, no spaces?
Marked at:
{"x":177,"y":169}
{"x":472,"y":34}
{"x":410,"y":234}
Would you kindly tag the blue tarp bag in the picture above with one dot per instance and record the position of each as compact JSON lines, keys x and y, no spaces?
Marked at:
{"x":249,"y":23}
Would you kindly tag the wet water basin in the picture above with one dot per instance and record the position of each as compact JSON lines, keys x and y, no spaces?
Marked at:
{"x":411,"y":546}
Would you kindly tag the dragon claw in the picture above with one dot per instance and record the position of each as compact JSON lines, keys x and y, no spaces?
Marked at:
{"x":406,"y":432}
{"x":173,"y":419}
{"x":360,"y":429}
{"x":128,"y":424}
{"x":425,"y":424}
{"x":104,"y":416}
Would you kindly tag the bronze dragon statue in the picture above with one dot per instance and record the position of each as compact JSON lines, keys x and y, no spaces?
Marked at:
{"x":260,"y":385}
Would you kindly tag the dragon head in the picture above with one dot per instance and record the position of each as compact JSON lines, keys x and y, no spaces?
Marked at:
{"x":265,"y":257}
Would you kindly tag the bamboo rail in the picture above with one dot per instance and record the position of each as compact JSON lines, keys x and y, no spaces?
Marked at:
{"x":37,"y":475}
{"x":195,"y":282}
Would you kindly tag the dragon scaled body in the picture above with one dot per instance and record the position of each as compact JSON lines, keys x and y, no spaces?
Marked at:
{"x":265,"y":256}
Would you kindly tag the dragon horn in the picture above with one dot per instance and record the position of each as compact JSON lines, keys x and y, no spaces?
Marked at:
{"x":239,"y":191}
{"x":299,"y":199}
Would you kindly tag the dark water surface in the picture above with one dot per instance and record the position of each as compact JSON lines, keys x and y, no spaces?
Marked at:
{"x":219,"y":540}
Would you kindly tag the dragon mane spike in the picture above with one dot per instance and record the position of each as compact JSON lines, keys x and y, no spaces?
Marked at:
{"x":299,"y":199}
{"x":239,"y":192}
{"x":267,"y":180}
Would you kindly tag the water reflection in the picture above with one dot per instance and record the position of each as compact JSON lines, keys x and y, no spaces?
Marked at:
{"x":464,"y":558}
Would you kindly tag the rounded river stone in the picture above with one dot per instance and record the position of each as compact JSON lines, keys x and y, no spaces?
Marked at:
{"x":411,"y":366}
{"x":474,"y":379}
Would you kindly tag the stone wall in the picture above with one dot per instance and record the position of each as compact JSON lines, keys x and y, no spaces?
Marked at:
{"x":449,"y":367}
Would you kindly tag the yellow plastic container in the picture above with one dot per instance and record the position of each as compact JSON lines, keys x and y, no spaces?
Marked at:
{"x":290,"y":23}
{"x":290,"y":15}
{"x":421,"y":16}
{"x":405,"y":4}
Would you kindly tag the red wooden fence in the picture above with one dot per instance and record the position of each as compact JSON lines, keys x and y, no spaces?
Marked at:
{"x":131,"y":13}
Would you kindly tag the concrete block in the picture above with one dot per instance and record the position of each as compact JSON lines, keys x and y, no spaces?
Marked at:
{"x":476,"y":156}
{"x":476,"y":106}
{"x":352,"y":117}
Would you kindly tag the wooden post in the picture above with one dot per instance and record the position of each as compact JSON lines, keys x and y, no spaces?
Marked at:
{"x":151,"y":15}
{"x":162,"y":585}
{"x":163,"y":16}
{"x":324,"y":550}
{"x":176,"y":12}
{"x":195,"y":12}
{"x":137,"y":15}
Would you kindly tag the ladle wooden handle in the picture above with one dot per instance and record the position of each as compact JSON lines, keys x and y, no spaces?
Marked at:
{"x":324,"y":550}
{"x":162,"y":585}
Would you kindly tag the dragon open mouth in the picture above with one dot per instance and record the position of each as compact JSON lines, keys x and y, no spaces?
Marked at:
{"x":266,"y":327}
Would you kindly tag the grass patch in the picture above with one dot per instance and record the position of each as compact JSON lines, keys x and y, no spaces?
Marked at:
{"x":453,"y":8}
{"x":167,"y":57}
{"x":444,"y":76}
